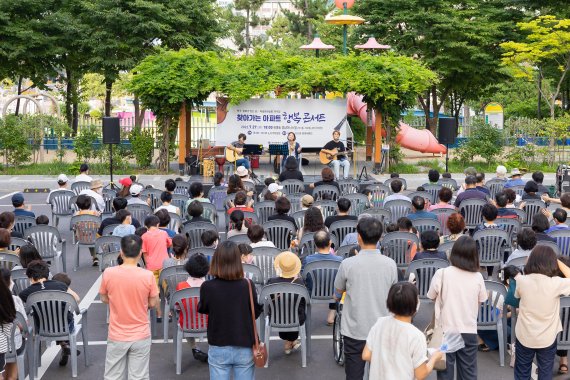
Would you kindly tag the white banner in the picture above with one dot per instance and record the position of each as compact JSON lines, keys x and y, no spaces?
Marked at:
{"x":268,"y":121}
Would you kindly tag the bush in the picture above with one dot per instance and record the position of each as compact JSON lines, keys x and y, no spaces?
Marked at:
{"x":485,"y":141}
{"x":142,"y":142}
{"x":85,"y":143}
{"x":14,"y":140}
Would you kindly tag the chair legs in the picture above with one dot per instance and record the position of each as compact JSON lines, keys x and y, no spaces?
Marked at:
{"x":76,"y":265}
{"x":73,"y":349}
{"x":165,"y":321}
{"x":21,"y":367}
{"x":303,"y":333}
{"x":501,"y":338}
{"x":178,"y":350}
{"x":267,"y":336}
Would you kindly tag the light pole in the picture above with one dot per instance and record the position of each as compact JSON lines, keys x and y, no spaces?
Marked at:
{"x":345,"y":20}
{"x":317,"y":45}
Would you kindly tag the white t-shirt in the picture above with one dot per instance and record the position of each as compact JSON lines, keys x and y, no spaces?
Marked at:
{"x":170,"y":208}
{"x":83,"y":178}
{"x":398,"y":348}
{"x":95,"y":195}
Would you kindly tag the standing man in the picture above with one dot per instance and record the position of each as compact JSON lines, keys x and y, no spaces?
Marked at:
{"x":366,"y":278}
{"x":237,"y":146}
{"x":334,"y":147}
{"x":130,"y":291}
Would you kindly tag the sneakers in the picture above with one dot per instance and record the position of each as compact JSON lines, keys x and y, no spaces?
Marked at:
{"x":200,"y":355}
{"x":291,"y":346}
{"x":95,"y":262}
{"x":65,"y":353}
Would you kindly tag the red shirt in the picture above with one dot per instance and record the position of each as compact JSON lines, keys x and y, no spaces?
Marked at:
{"x":193,"y":319}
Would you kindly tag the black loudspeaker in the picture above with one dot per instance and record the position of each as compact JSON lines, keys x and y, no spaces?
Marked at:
{"x":447,"y":132}
{"x":111,"y":130}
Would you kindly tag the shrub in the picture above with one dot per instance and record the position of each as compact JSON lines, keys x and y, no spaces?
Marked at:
{"x":142,"y":142}
{"x":85,"y":143}
{"x":14,"y":140}
{"x":485,"y":141}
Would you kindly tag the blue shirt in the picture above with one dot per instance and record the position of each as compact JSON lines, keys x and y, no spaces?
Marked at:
{"x":22,"y":212}
{"x":557,"y":227}
{"x":170,"y":233}
{"x":420,"y":214}
{"x":430,"y":255}
{"x":514,"y":182}
{"x":321,"y":256}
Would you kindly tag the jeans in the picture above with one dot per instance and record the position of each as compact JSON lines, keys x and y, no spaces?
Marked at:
{"x":465,"y":360}
{"x":353,"y":363}
{"x":544,"y":359}
{"x":243,"y":162}
{"x":336,"y":164}
{"x":225,"y":360}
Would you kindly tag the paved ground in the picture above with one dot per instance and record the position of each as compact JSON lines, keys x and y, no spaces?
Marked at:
{"x":86,"y":280}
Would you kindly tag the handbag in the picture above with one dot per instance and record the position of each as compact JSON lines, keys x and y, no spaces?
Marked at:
{"x":259,"y":349}
{"x":434,"y":331}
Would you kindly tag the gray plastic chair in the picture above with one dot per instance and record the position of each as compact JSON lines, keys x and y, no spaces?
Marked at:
{"x":326,"y":192}
{"x":21,"y":223}
{"x":492,"y":245}
{"x":208,"y":252}
{"x":358,"y":203}
{"x":73,"y":205}
{"x":180,"y":200}
{"x":295,"y":200}
{"x":84,"y":234}
{"x":322,"y":274}
{"x":563,"y":338}
{"x":264,"y":210}
{"x":59,"y":202}
{"x":78,"y":187}
{"x":398,"y":246}
{"x":17,"y":243}
{"x":307,"y":245}
{"x":217,"y":197}
{"x":379,"y":192}
{"x":471,"y":211}
{"x":184,"y":302}
{"x":450,"y":183}
{"x":253,"y":272}
{"x":442,"y":215}
{"x":488,"y":319}
{"x":425,"y":224}
{"x":342,"y":228}
{"x":550,"y":244}
{"x":382,"y":214}
{"x":423,"y":271}
{"x":9,"y":260}
{"x":390,"y":180}
{"x":168,"y":280}
{"x":446,"y":247}
{"x":520,"y":213}
{"x":182,"y":187}
{"x":348,"y":186}
{"x":433,"y":191}
{"x":175,"y":223}
{"x":562,"y":240}
{"x":12,"y":356}
{"x":280,"y":232}
{"x":398,"y":208}
{"x":511,"y":225}
{"x":249,"y":217}
{"x":108,"y":249}
{"x":154,"y":195}
{"x":519,"y":262}
{"x":21,"y":281}
{"x":51,"y":308}
{"x":210,"y":212}
{"x":49,"y":244}
{"x":293,"y":186}
{"x":139,"y":211}
{"x":519,"y":190}
{"x":532,"y":207}
{"x":345,"y":250}
{"x":264,"y":259}
{"x":328,"y":208}
{"x":280,"y":313}
{"x":239,"y":239}
{"x":299,"y":217}
{"x":108,"y":196}
{"x":108,"y":230}
{"x":194,"y":232}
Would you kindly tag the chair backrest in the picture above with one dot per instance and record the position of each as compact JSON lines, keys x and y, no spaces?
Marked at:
{"x":398,"y":246}
{"x":328,"y":208}
{"x":295,"y":200}
{"x":519,"y":190}
{"x":398,"y":208}
{"x":109,"y":247}
{"x":9,"y":260}
{"x":442,"y":215}
{"x":59,"y":201}
{"x":322,"y":274}
{"x":423,"y":271}
{"x":19,"y":324}
{"x":239,"y":239}
{"x":194,"y":232}
{"x":403,"y":180}
{"x":108,"y":230}
{"x":253,"y":272}
{"x":293,"y":186}
{"x":179,"y":200}
{"x":433,"y":191}
{"x":208,"y":252}
{"x":264,"y":258}
{"x":281,"y":303}
{"x":186,"y":301}
{"x":511,"y":225}
{"x":73,"y":205}
{"x":489,"y":311}
{"x":169,"y":278}
{"x":471,"y":211}
{"x":299,"y":217}
{"x":249,"y":217}
{"x":342,"y":228}
{"x":450,"y":183}
{"x":16,"y":243}
{"x":139,"y":211}
{"x":175,"y":222}
{"x":358,"y":203}
{"x":382,"y":214}
{"x":108,"y":196}
{"x":280,"y":232}
{"x":182,"y":187}
{"x":46,"y":239}
{"x":307,"y":245}
{"x":425,"y":224}
{"x":78,"y":187}
{"x":345,"y":250}
{"x":218,"y":196}
{"x":491,"y":245}
{"x":20,"y":279}
{"x":51,"y":308}
{"x":210,"y":212}
{"x":563,"y":338}
{"x":21,"y":223}
{"x":532,"y":207}
{"x":154,"y":195}
{"x":85,"y":228}
{"x":519,"y":262}
{"x":446,"y":247}
{"x":326,"y":192}
{"x":379,"y":192}
{"x":348,"y":186}
{"x":495,"y":186}
{"x":264,"y":210}
{"x":424,"y":194}
{"x":562,"y":238}
{"x":550,"y":244}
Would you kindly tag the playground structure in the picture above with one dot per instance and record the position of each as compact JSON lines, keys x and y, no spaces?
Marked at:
{"x":33,"y":98}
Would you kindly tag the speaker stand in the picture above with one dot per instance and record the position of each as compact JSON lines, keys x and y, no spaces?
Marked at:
{"x":111,"y":184}
{"x":447,"y":158}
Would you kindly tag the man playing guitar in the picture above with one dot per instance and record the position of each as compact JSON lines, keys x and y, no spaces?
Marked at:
{"x":331,"y":155}
{"x":237,"y":148}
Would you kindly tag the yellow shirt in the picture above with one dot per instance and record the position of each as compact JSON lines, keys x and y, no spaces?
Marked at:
{"x":538,"y":322}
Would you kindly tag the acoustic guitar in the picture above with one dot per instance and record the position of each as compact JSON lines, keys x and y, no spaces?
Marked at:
{"x":232,"y":155}
{"x":327,"y":158}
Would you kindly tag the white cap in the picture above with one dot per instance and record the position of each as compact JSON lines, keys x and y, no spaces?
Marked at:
{"x":501,"y":170}
{"x":136,"y":189}
{"x":62,"y":178}
{"x":273,"y":187}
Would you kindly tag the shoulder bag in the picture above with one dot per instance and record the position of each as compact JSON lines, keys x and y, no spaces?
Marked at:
{"x":259,"y":349}
{"x":434,"y":331}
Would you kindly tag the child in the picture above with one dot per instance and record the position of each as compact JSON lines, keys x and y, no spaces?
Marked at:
{"x":430,"y":244}
{"x":197,"y":267}
{"x":164,"y":220}
{"x":63,"y":277}
{"x":395,"y":348}
{"x":42,"y":220}
{"x":180,"y":249}
{"x":210,"y":239}
{"x":125,"y":228}
{"x":246,"y":253}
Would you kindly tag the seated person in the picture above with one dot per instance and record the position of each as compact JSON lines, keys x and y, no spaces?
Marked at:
{"x":501,"y":200}
{"x":444,"y":195}
{"x":135,"y":199}
{"x":240,"y":203}
{"x":125,"y":228}
{"x":470,"y":191}
{"x":238,"y":225}
{"x":282,"y":207}
{"x":526,"y":240}
{"x":166,"y":199}
{"x":433,"y":177}
{"x":480,"y":185}
{"x":210,"y":239}
{"x":539,"y":225}
{"x":256,"y":235}
{"x":327,"y":178}
{"x":291,"y":170}
{"x":489,"y":213}
{"x":531,"y":191}
{"x":418,"y":205}
{"x":273,"y":192}
{"x":195,"y":211}
{"x":559,"y":216}
{"x":118,"y":204}
{"x":84,"y":203}
{"x":343,"y":206}
{"x":164,"y":221}
{"x":396,"y":187}
{"x":246,"y":253}
{"x":42,"y":220}
{"x":429,"y":244}
{"x":7,"y":221}
{"x":20,"y":208}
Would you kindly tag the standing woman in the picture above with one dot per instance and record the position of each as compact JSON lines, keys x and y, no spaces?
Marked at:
{"x":225,"y":300}
{"x":293,"y":149}
{"x":460,"y":306}
{"x":7,"y":316}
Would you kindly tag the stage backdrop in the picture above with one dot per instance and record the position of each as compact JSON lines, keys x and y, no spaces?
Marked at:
{"x":266,"y":121}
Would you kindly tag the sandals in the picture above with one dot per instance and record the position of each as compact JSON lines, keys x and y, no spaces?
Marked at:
{"x":562,"y":369}
{"x":483,"y":348}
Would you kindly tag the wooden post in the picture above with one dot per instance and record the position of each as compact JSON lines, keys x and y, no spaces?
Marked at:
{"x":377,"y":141}
{"x":369,"y":143}
{"x":182,"y":138}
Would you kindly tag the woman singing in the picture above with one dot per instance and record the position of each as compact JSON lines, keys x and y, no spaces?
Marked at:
{"x":293,"y":149}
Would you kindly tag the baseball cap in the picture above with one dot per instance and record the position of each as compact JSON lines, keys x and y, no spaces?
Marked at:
{"x":307,"y":200}
{"x":62,"y":178}
{"x":136,"y":189}
{"x":18,"y":198}
{"x":126,"y":181}
{"x":273,"y":187}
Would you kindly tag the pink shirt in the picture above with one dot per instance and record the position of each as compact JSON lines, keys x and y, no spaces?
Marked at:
{"x":128,"y":289}
{"x":155,"y":248}
{"x":440,"y":205}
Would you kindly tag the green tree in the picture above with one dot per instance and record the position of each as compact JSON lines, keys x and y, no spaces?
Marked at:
{"x":307,"y":13}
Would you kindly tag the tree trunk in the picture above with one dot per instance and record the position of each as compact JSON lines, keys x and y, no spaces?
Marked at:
{"x":432,"y":125}
{"x":139,"y":113}
{"x":75,"y":117}
{"x":20,"y":79}
{"x":247,"y":35}
{"x":69,"y":101}
{"x":163,"y":156}
{"x":309,"y":26}
{"x":108,"y":92}
{"x":538,"y":106}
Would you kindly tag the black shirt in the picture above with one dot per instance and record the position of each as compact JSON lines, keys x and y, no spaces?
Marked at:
{"x":338,"y":145}
{"x":229,"y":315}
{"x":17,"y":234}
{"x":290,"y":174}
{"x":330,"y":183}
{"x":336,"y":218}
{"x":283,"y":217}
{"x":38,"y":287}
{"x":113,"y":220}
{"x":472,"y":193}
